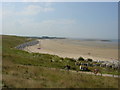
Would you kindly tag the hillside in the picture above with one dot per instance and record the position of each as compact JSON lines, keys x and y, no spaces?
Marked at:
{"x":33,"y":70}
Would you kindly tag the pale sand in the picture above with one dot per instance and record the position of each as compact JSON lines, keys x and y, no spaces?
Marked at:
{"x":75,"y":49}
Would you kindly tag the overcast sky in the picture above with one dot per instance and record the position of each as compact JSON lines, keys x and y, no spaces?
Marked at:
{"x":70,"y":19}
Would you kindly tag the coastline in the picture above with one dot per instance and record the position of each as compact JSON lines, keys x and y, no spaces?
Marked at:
{"x":66,"y":48}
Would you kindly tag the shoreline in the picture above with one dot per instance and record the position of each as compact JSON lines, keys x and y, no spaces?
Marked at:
{"x":64,"y":49}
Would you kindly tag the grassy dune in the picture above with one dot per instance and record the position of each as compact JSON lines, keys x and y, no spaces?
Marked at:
{"x":32,"y":70}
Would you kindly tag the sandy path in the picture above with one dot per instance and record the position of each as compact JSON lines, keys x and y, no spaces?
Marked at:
{"x":90,"y":73}
{"x":64,"y":48}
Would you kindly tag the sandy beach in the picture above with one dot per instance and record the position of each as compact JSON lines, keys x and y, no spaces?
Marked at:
{"x":76,"y":48}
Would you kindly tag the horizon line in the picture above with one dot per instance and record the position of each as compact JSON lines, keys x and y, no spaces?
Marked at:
{"x":62,"y":37}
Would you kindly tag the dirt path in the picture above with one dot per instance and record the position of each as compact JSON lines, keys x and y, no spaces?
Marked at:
{"x":91,"y":73}
{"x":109,"y":75}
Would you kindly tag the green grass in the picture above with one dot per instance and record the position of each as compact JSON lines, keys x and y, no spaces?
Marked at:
{"x":25,"y":58}
{"x":37,"y":59}
{"x":17,"y":76}
{"x":32,"y":69}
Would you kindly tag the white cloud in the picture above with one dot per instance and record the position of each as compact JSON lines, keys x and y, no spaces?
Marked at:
{"x":34,"y":10}
{"x":31,"y":27}
{"x":19,"y":22}
{"x":28,"y":10}
{"x":45,"y":23}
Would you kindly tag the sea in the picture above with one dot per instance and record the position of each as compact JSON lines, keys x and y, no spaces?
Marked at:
{"x":105,"y":43}
{"x":98,"y":40}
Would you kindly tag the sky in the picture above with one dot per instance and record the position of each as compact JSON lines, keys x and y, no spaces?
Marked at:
{"x":97,"y":20}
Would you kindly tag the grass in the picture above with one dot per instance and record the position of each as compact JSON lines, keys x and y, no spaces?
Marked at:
{"x":16,"y":76}
{"x":23,"y":69}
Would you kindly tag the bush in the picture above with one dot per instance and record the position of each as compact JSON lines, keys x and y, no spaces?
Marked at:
{"x":90,"y":60}
{"x":80,"y":59}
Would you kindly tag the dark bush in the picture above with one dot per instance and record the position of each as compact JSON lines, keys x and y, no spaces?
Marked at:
{"x":90,"y":60}
{"x":80,"y":59}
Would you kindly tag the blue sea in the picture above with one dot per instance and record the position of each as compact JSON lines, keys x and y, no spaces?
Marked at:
{"x":98,"y":40}
{"x":105,"y":43}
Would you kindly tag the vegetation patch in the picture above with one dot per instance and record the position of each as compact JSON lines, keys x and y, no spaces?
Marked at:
{"x":33,"y":69}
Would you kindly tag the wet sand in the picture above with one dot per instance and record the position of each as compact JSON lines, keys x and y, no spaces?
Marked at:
{"x":76,"y":48}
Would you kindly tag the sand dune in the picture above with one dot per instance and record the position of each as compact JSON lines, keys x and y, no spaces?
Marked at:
{"x":75,"y":49}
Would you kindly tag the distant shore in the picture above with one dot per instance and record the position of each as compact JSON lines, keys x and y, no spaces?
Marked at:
{"x":75,"y":49}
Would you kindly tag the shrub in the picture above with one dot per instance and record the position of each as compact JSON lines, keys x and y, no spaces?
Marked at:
{"x":80,"y":59}
{"x":71,"y":59}
{"x":90,"y":60}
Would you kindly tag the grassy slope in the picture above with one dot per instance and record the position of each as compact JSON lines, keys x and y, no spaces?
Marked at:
{"x":23,"y":69}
